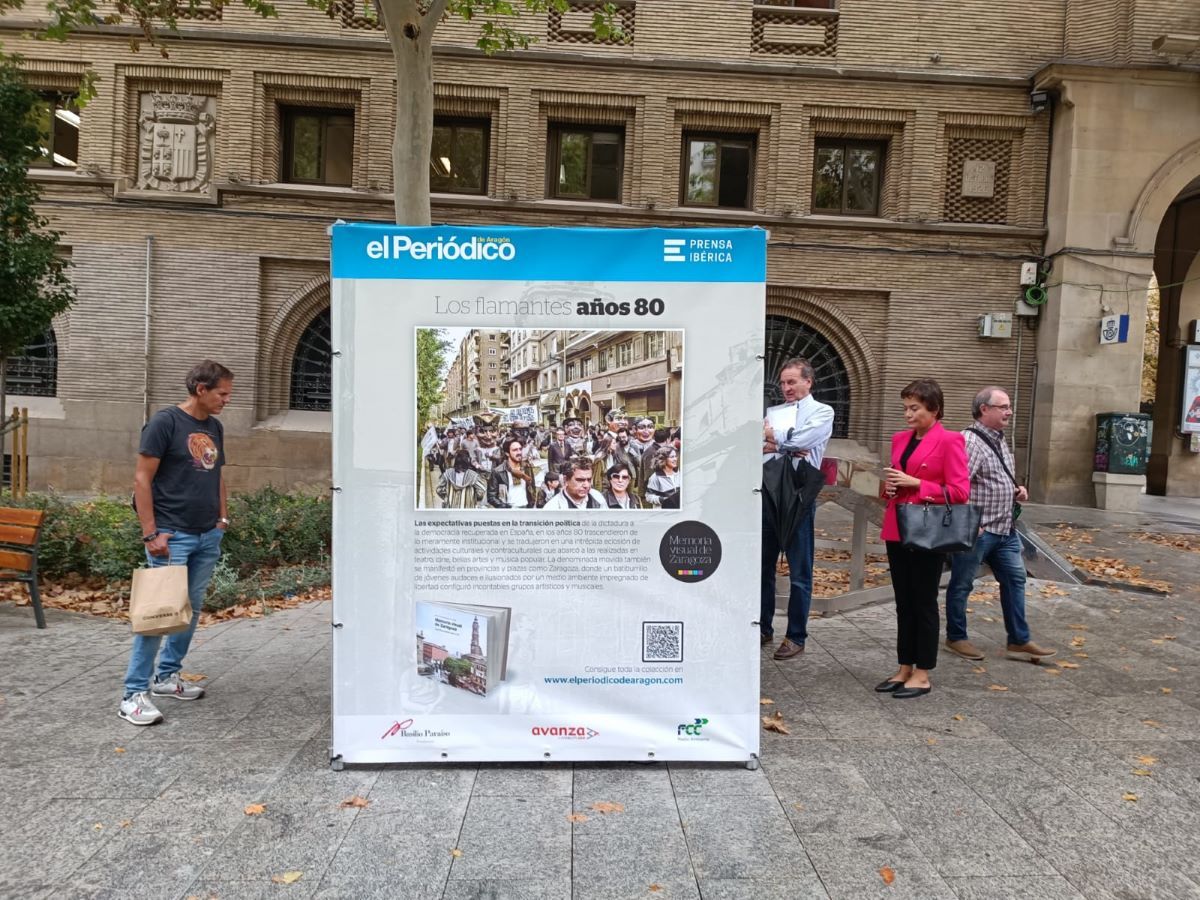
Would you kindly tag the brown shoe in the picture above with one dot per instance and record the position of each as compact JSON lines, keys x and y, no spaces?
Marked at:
{"x":764,"y":639}
{"x":1030,"y":651}
{"x":786,"y":649}
{"x":965,"y":649}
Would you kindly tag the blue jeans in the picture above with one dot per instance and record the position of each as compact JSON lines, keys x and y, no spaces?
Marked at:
{"x":199,"y":552}
{"x":800,"y":564}
{"x":1003,"y":553}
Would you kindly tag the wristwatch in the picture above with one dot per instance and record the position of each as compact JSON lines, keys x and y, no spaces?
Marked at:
{"x":149,"y":537}
{"x":223,"y":521}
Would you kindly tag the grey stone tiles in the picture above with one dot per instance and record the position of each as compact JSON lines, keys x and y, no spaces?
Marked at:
{"x":1084,"y":783}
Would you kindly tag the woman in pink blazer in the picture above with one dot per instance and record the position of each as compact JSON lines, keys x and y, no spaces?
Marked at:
{"x":925,"y":457}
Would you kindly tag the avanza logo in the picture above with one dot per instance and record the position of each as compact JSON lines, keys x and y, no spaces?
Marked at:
{"x":575,"y":732}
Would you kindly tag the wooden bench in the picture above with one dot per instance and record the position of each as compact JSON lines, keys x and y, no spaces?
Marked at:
{"x":20,"y":530}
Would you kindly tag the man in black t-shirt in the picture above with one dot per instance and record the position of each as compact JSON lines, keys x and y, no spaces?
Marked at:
{"x":179,"y":493}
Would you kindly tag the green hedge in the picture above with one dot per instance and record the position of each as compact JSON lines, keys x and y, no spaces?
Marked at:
{"x":101,"y":537}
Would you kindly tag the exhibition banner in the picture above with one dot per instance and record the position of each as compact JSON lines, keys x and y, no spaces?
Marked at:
{"x":571,"y":572}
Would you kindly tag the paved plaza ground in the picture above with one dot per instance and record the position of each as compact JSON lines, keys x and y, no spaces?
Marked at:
{"x":1009,"y":781}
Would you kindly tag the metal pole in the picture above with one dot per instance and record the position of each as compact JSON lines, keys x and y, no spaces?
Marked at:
{"x":146,"y":334}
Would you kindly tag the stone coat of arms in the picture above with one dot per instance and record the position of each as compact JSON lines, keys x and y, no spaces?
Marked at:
{"x":176,"y":133}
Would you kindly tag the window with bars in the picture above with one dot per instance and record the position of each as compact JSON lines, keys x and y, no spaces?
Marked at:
{"x":787,"y":338}
{"x":33,"y":372}
{"x":312,"y":367}
{"x":654,"y":344}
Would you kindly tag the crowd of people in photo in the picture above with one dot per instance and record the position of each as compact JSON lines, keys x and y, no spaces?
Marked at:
{"x":620,"y":463}
{"x":927,"y":464}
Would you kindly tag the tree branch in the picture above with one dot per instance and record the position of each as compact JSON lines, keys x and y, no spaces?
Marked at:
{"x":437,"y":9}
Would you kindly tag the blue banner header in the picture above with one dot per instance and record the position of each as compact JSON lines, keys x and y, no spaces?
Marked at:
{"x":511,"y":253}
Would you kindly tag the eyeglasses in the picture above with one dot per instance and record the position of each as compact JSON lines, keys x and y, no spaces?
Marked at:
{"x":622,"y":477}
{"x":1006,"y":406}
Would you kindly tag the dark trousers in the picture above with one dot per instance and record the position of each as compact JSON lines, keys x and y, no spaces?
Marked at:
{"x":915,"y":577}
{"x":800,"y":580}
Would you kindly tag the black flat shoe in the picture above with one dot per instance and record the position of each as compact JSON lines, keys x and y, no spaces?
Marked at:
{"x":905,"y":692}
{"x":886,"y":687}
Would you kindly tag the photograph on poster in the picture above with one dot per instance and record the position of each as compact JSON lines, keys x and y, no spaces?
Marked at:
{"x":461,"y":645}
{"x":549,"y":419}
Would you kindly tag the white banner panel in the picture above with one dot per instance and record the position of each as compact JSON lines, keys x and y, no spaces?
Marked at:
{"x":472,"y":624}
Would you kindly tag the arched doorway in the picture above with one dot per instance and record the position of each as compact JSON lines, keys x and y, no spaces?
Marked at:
{"x":1173,"y":467}
{"x":787,"y":338}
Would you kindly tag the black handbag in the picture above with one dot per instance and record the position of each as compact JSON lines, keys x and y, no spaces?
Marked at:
{"x":938,"y":528}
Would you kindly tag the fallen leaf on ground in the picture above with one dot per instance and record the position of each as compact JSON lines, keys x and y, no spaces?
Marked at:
{"x":287,"y":877}
{"x":255,"y":809}
{"x":997,"y":687}
{"x":125,"y":823}
{"x":1164,"y":690}
{"x":957,"y":717}
{"x":118,"y":749}
{"x":99,"y":826}
{"x":1132,"y":798}
{"x":1142,"y":772}
{"x":798,"y":806}
{"x":988,"y":619}
{"x":1168,"y":637}
{"x":1052,"y":671}
{"x":1063,"y":664}
{"x":1052,"y":591}
{"x":191,"y":676}
{"x":1172,"y":669}
{"x":577,"y":817}
{"x":1078,"y":641}
{"x":655,"y":888}
{"x":1081,"y":655}
{"x":979,"y":670}
{"x":355,"y":802}
{"x":1078,"y":627}
{"x":456,"y":853}
{"x":603,"y":806}
{"x":1152,"y":723}
{"x":888,"y":874}
{"x":1146,"y":760}
{"x":775,"y":723}
{"x":765,"y":702}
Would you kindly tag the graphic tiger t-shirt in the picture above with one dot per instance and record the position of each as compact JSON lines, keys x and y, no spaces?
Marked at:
{"x":187,"y":486}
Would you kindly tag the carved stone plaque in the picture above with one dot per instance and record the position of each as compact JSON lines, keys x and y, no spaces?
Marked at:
{"x":979,"y":178}
{"x":175,"y":142}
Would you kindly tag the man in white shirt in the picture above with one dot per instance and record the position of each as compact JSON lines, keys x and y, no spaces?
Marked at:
{"x":800,"y":428}
{"x":577,"y":490}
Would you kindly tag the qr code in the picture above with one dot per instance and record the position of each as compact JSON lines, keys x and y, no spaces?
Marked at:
{"x":662,"y":642}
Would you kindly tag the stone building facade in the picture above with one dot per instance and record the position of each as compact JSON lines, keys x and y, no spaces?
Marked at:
{"x":893,"y":153}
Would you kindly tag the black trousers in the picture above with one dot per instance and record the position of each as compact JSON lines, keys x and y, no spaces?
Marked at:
{"x":915,"y":577}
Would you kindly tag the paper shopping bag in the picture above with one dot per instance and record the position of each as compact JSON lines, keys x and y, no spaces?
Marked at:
{"x":158,"y":601}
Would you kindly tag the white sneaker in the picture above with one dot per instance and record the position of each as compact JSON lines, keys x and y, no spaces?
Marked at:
{"x":176,"y":687}
{"x":139,"y":710}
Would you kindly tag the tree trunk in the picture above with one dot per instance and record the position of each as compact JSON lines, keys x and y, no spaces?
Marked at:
{"x":411,"y":36}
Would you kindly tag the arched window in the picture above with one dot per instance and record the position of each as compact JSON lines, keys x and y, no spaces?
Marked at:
{"x":787,"y":338}
{"x":312,"y":366}
{"x":34,"y":371}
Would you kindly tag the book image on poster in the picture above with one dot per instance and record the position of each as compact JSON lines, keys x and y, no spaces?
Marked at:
{"x":552,"y":420}
{"x":461,"y":645}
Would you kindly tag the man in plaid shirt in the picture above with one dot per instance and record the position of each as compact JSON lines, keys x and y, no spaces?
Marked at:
{"x":994,"y":489}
